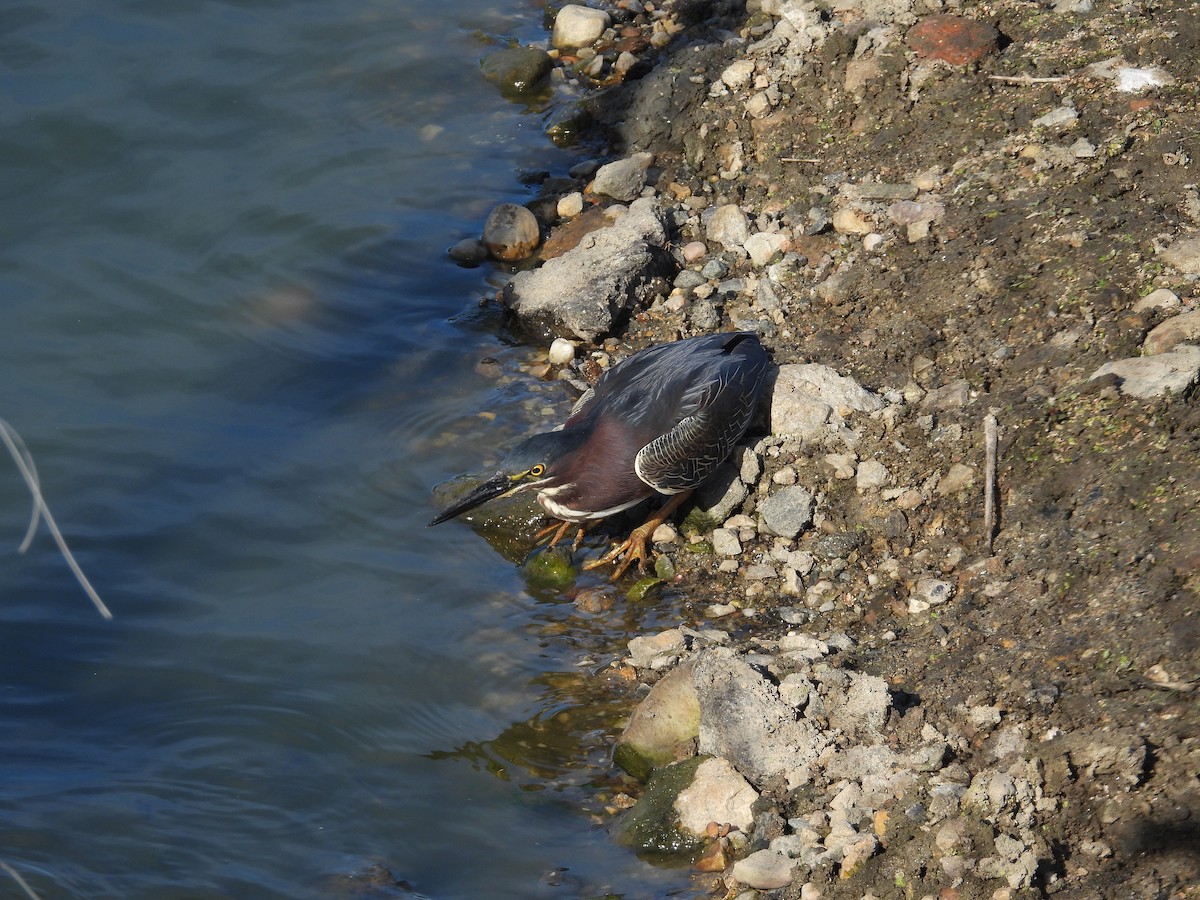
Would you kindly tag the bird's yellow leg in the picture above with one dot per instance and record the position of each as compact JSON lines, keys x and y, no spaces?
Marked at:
{"x":635,"y":546}
{"x":558,"y":530}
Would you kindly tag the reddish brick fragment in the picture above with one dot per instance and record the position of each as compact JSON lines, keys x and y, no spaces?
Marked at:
{"x":953,"y":39}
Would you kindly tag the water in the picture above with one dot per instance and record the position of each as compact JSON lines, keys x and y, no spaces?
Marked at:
{"x":232,"y":342}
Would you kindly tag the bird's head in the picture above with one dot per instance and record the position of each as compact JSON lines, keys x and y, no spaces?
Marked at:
{"x":539,"y":462}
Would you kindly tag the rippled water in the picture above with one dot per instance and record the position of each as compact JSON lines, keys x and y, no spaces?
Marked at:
{"x":232,"y":342}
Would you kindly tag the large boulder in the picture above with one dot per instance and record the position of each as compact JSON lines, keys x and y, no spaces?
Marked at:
{"x":586,"y":291}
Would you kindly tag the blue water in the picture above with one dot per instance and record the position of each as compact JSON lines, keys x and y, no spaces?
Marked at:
{"x":232,"y":341}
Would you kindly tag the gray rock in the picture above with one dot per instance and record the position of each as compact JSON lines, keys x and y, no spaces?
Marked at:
{"x":656,"y":651}
{"x":728,"y":226}
{"x":662,"y":727}
{"x":1180,"y":329}
{"x":764,"y":870}
{"x":743,"y":719}
{"x":725,"y":542}
{"x":788,"y":511}
{"x":954,"y":395}
{"x":861,"y":711}
{"x":1184,"y":255}
{"x":516,"y":70}
{"x":714,"y":269}
{"x":511,"y":232}
{"x":581,"y":293}
{"x":872,"y":474}
{"x":1146,"y":377}
{"x":578,"y":26}
{"x":807,"y":398}
{"x":623,"y":179}
{"x":688,"y":279}
{"x":718,"y":793}
{"x":469,"y":252}
{"x":1160,"y":299}
{"x":722,"y":493}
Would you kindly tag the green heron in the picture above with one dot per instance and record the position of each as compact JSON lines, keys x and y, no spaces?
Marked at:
{"x":659,"y":422}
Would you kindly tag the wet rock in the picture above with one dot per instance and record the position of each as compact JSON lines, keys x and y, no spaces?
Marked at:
{"x":623,"y":179}
{"x":1146,"y":377}
{"x":652,"y":825}
{"x":953,"y":39}
{"x":468,"y":252}
{"x":511,"y":232}
{"x":583,"y":291}
{"x":663,"y":727}
{"x":764,"y":870}
{"x":578,"y":26}
{"x":743,"y":719}
{"x":718,"y":793}
{"x":516,"y":70}
{"x":788,"y":511}
{"x":1180,"y":329}
{"x":728,"y":226}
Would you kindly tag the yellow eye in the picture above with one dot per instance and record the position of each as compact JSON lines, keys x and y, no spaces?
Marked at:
{"x":537,"y":470}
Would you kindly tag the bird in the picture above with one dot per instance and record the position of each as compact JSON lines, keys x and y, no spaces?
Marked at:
{"x":657,"y":423}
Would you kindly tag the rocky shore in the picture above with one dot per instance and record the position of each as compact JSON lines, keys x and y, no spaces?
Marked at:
{"x":939,"y":620}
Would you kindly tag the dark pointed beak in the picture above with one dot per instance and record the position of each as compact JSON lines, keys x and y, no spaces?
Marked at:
{"x":494,"y":487}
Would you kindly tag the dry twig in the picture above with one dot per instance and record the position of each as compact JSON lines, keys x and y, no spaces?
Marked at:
{"x":16,"y":876}
{"x":991,"y":440}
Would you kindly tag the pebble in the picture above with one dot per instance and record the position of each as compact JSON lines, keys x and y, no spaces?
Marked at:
{"x":1062,"y":117}
{"x":578,"y":26}
{"x":764,"y":246}
{"x":852,"y":221}
{"x":725,"y":542}
{"x":788,"y":511}
{"x":738,"y":74}
{"x":570,"y":205}
{"x":872,"y":474}
{"x":959,"y":477}
{"x":694,"y":251}
{"x":561,"y":352}
{"x":728,"y":226}
{"x":511,"y":232}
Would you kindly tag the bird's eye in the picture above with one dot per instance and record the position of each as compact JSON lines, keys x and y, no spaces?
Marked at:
{"x":537,"y":471}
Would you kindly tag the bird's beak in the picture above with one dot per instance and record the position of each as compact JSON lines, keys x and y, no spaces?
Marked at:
{"x":496,"y":486}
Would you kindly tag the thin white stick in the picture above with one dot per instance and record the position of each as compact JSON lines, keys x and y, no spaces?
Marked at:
{"x":1029,"y":79}
{"x":16,"y":876}
{"x":16,"y":447}
{"x":991,"y":441}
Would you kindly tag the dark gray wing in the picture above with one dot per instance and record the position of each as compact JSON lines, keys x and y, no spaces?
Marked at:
{"x":723,"y":405}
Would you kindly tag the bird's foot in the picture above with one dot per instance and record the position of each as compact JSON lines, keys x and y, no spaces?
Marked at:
{"x":555,"y":532}
{"x":632,"y":549}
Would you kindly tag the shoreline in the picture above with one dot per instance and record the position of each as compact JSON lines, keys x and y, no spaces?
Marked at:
{"x":931,"y":218}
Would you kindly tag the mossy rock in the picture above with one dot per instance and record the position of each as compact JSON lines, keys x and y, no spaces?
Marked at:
{"x":651,"y":827}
